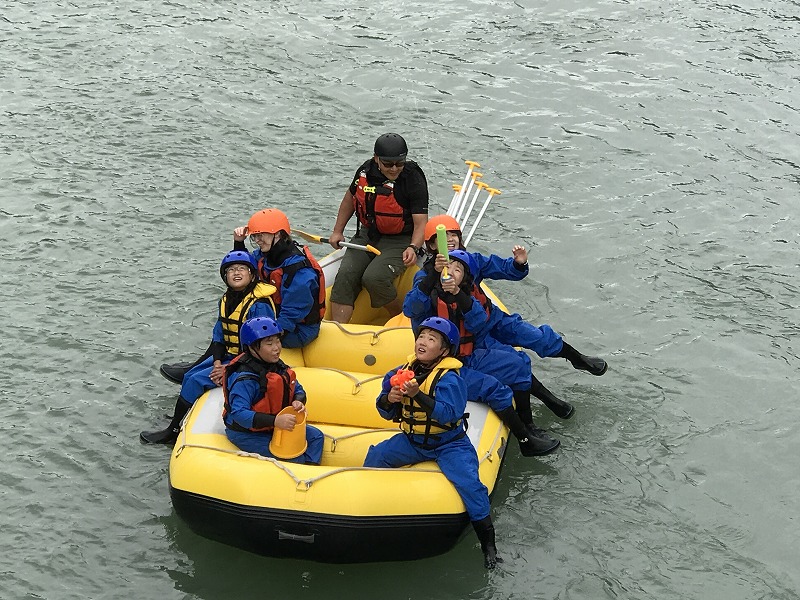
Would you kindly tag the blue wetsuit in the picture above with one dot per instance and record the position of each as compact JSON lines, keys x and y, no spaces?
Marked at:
{"x":242,"y":396}
{"x":197,"y":380}
{"x":451,"y":450}
{"x":298,"y":295}
{"x":494,"y":334}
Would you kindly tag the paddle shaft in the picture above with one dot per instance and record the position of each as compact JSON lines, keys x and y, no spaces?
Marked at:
{"x":321,"y":240}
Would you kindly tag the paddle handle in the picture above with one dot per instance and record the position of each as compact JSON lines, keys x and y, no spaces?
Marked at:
{"x":367,"y":248}
{"x":321,"y":240}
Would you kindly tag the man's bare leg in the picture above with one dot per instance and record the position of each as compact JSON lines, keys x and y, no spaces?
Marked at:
{"x":341,"y":313}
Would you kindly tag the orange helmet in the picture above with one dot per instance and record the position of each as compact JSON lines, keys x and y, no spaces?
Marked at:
{"x":450,"y":224}
{"x":269,"y":220}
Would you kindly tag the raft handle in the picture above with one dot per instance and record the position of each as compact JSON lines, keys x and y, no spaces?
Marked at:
{"x":307,"y":539}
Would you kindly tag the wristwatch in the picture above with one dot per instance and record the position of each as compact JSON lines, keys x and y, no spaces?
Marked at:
{"x":417,"y":249}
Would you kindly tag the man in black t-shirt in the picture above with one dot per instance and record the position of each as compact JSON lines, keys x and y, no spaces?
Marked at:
{"x":389,"y":195}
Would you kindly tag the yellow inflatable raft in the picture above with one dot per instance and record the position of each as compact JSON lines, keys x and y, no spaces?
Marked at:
{"x":338,"y":511}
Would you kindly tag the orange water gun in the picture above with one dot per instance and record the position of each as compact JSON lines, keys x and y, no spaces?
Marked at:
{"x":402,"y":377}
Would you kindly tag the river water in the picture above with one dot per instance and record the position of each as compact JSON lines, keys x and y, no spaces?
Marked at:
{"x":646,"y":154}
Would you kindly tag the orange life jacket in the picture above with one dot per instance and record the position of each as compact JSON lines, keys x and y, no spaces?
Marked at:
{"x":277,"y":277}
{"x":449,"y":310}
{"x":377,"y":207}
{"x":275,"y":388}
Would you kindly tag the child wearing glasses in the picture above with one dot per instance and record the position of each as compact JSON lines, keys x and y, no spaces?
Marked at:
{"x":245,"y":298}
{"x":389,"y":195}
{"x":299,"y":282}
{"x":292,"y":269}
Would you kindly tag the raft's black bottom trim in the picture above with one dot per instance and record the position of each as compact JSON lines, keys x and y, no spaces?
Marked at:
{"x":315,"y":536}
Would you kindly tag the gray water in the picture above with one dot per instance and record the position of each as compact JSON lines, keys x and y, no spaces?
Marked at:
{"x":646,"y":154}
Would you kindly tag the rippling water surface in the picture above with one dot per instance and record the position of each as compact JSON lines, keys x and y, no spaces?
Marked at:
{"x":646,"y":153}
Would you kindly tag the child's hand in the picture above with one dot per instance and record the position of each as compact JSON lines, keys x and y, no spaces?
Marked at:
{"x":395,"y":395}
{"x":411,"y":388}
{"x":298,"y":406}
{"x":449,"y":285}
{"x":286,"y":422}
{"x":240,"y":234}
{"x":520,"y":254}
{"x":440,"y":263}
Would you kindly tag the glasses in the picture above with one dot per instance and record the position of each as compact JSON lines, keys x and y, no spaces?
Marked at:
{"x":237,"y":269}
{"x":254,"y":237}
{"x":388,"y":164}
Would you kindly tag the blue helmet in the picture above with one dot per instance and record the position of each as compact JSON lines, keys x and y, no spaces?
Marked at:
{"x":258,"y":329}
{"x":237,"y":257}
{"x":465,"y":258}
{"x":447,"y":328}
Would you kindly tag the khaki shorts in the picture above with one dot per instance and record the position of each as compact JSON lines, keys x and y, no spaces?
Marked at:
{"x":376,"y":274}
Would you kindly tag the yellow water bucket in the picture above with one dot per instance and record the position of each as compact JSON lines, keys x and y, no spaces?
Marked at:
{"x":289,"y":444}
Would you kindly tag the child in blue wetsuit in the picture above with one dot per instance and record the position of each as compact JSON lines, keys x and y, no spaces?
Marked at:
{"x":430,"y":409}
{"x":244,"y":299}
{"x":300,"y":282}
{"x":257,"y":386}
{"x":504,"y":330}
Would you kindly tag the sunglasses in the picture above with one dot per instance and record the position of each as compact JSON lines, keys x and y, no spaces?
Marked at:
{"x":388,"y":164}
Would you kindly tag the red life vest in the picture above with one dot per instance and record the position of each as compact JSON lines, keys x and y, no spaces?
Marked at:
{"x":277,"y":277}
{"x":451,"y":311}
{"x":377,"y":207}
{"x":275,"y":388}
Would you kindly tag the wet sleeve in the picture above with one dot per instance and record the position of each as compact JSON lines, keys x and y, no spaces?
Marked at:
{"x":464,"y":301}
{"x":427,"y":282}
{"x":218,"y":350}
{"x":261,"y":420}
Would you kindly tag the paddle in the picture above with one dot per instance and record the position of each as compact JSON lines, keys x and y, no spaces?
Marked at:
{"x":321,"y":240}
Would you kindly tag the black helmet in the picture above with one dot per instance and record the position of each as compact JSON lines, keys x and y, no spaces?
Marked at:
{"x":391,"y":146}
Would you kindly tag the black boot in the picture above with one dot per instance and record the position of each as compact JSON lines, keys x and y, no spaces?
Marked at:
{"x":540,"y":441}
{"x":170,"y":434}
{"x":560,"y":408}
{"x":485,"y":530}
{"x":522,"y":403}
{"x":175,"y":371}
{"x":529,"y":445}
{"x":594,"y":364}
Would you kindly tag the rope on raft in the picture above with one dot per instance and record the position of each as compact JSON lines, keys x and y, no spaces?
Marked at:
{"x":306,"y":483}
{"x":375,"y":334}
